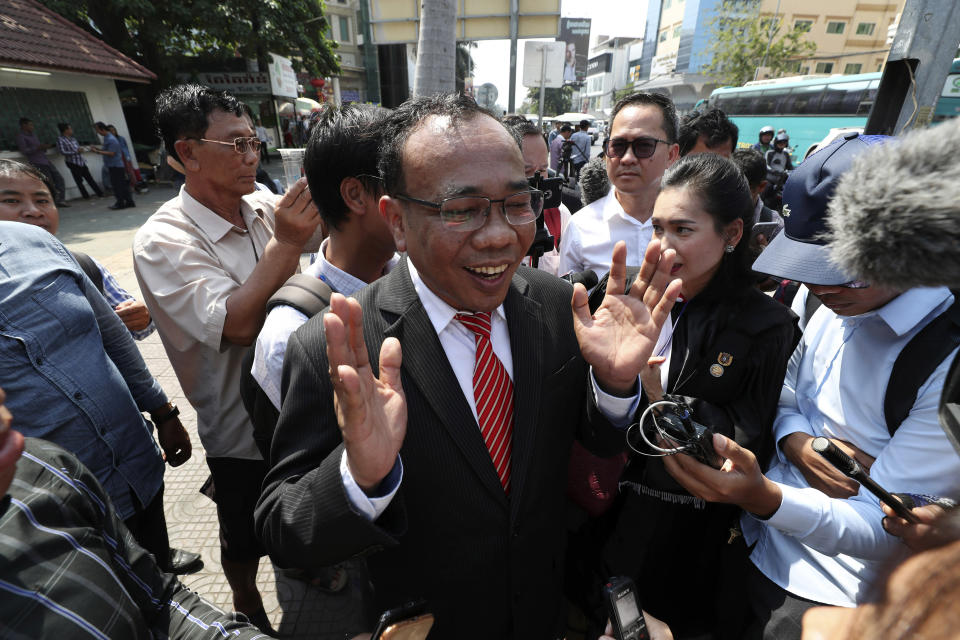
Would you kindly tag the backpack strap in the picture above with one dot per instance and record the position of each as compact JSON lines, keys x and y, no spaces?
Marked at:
{"x":917,"y":361}
{"x":307,"y":294}
{"x":810,"y":306}
{"x":90,"y":268}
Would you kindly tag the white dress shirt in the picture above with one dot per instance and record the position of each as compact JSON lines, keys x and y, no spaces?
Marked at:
{"x":829,"y":550}
{"x":459,"y":345}
{"x":283,"y":320}
{"x":588,"y":240}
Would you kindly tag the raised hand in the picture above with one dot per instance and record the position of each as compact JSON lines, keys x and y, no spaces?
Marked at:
{"x":618,"y":340}
{"x":371,"y":412}
{"x":297,"y":217}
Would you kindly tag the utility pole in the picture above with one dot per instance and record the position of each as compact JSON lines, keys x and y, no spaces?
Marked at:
{"x":917,"y":67}
{"x":766,"y":52}
{"x":514,"y":29}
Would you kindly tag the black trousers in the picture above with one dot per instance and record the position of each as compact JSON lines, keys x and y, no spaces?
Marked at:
{"x":81,"y":173}
{"x":59,"y":188}
{"x":264,"y":154}
{"x":149,"y":527}
{"x":121,"y":187}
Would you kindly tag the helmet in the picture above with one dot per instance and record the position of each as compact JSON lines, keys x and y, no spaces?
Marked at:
{"x":782,"y":137}
{"x":766,"y":129}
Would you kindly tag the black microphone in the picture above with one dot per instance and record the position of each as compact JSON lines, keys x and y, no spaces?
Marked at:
{"x":852,"y":469}
{"x":587,"y":278}
{"x":894,"y":219}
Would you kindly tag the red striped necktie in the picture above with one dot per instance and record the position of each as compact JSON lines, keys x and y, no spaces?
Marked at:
{"x":493,"y":394}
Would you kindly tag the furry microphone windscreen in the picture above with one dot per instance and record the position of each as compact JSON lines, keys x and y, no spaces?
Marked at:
{"x":594,"y":183}
{"x":895,"y":217}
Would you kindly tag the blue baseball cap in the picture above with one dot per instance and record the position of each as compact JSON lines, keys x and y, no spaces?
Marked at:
{"x":800,"y":251}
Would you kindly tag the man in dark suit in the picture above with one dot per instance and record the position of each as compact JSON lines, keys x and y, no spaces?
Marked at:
{"x":476,"y":524}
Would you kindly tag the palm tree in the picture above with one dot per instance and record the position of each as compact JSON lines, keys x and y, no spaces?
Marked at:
{"x":464,"y":62}
{"x":436,"y":48}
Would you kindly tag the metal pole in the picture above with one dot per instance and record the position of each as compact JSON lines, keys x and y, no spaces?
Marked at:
{"x":543,"y":81}
{"x":766,"y":52}
{"x":514,"y":27}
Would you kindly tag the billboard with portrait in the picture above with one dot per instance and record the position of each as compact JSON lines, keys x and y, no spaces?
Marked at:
{"x":575,"y":32}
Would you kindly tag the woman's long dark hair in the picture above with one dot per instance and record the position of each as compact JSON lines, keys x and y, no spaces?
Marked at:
{"x":724,"y":194}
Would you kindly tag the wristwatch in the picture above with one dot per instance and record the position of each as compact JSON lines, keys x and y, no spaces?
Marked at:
{"x":164,"y":413}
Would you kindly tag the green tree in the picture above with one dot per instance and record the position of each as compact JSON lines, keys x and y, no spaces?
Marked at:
{"x":555,"y":101}
{"x":161,"y":35}
{"x":741,"y":41}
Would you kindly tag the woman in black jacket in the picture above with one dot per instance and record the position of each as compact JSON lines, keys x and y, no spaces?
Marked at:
{"x":724,"y":353}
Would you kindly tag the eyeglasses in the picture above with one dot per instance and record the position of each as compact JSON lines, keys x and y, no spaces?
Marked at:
{"x":643,"y":147}
{"x":468,"y":213}
{"x":240,"y":145}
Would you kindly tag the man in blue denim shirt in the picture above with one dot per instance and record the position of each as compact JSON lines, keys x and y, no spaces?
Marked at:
{"x":76,"y":378}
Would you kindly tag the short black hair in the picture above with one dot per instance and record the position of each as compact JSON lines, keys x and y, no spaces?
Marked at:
{"x":63,"y":126}
{"x":99,"y":125}
{"x":584,"y":124}
{"x":751,"y":163}
{"x":24,"y":121}
{"x":182,"y":112}
{"x":522,"y":128}
{"x":408,"y":117}
{"x":12,"y":169}
{"x":662,"y":102}
{"x":711,"y":123}
{"x":566,"y":127}
{"x":724,"y":194}
{"x":343,"y":144}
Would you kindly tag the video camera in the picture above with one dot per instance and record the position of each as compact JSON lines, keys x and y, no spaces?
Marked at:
{"x":673,"y":424}
{"x":543,"y":241}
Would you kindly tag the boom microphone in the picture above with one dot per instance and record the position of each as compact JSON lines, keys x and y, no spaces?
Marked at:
{"x":895,"y":215}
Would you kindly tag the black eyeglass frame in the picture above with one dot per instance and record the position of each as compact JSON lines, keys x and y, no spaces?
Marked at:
{"x":486,"y":213}
{"x":631,"y":144}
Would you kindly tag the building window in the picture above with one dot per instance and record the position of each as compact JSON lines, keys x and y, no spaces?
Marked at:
{"x":803,"y":25}
{"x":824,"y":67}
{"x":666,"y":4}
{"x":676,"y":32}
{"x":46,"y":108}
{"x":663,"y":36}
{"x":852,"y":68}
{"x":865,"y":29}
{"x":344,"y":29}
{"x":836,"y":27}
{"x":792,"y":67}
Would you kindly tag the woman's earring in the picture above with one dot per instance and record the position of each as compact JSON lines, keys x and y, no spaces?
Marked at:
{"x":729,"y":248}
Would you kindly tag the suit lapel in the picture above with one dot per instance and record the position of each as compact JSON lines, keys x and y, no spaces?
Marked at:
{"x":525,"y":325}
{"x":426,"y":367}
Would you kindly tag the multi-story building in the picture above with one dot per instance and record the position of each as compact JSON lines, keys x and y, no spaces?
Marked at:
{"x":607,"y":73}
{"x":851,"y":37}
{"x":345,"y":18}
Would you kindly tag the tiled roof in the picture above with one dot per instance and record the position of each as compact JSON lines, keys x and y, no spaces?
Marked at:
{"x":32,"y":35}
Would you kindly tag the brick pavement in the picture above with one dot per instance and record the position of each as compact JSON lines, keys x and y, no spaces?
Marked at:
{"x":295,"y":609}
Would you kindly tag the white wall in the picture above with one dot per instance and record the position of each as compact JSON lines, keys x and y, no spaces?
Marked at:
{"x":104,"y":106}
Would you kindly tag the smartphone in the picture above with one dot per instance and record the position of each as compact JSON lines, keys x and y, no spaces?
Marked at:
{"x":415,"y":628}
{"x":623,"y":607}
{"x":410,"y":610}
{"x":768,"y":229}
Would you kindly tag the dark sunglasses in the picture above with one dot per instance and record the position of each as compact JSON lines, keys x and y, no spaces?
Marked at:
{"x":643,"y":147}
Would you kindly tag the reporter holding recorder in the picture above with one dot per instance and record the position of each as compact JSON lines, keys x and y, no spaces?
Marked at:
{"x":817,"y":538}
{"x":724,"y":352}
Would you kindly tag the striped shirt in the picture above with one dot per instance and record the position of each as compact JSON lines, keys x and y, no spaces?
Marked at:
{"x":115,"y":294}
{"x":70,"y":149}
{"x":71,"y":569}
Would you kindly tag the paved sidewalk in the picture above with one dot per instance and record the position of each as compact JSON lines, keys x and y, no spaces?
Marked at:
{"x":295,"y":609}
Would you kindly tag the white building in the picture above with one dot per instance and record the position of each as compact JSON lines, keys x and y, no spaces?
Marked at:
{"x":607,"y":73}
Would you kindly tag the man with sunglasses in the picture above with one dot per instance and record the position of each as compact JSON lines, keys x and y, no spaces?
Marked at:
{"x":642,"y":144}
{"x":816,"y":537}
{"x":207,"y":261}
{"x":427,"y":422}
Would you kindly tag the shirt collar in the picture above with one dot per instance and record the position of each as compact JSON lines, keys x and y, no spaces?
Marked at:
{"x":612,"y":208}
{"x":212,"y":225}
{"x":440,"y":313}
{"x":907,"y":310}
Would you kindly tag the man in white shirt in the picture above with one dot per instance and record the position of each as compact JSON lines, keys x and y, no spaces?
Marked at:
{"x":207,"y":261}
{"x":340,"y":164}
{"x":418,"y":461}
{"x":642,"y":145}
{"x":817,"y":536}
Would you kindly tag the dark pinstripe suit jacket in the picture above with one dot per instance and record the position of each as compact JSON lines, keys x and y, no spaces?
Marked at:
{"x":490,"y":566}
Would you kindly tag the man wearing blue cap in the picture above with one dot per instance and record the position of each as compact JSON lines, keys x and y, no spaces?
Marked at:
{"x":815,"y":537}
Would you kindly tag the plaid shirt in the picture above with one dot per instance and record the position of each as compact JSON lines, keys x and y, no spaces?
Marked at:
{"x":115,"y":294}
{"x":71,"y":569}
{"x":70,"y":149}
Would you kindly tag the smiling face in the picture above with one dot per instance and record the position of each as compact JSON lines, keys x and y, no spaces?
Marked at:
{"x":219,"y":166}
{"x":23,"y":198}
{"x":844,"y":301}
{"x":632,"y":175}
{"x":470,"y":271}
{"x":680,"y":223}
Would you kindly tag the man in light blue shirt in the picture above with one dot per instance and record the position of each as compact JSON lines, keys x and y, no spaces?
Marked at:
{"x":113,"y":153}
{"x":816,"y":536}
